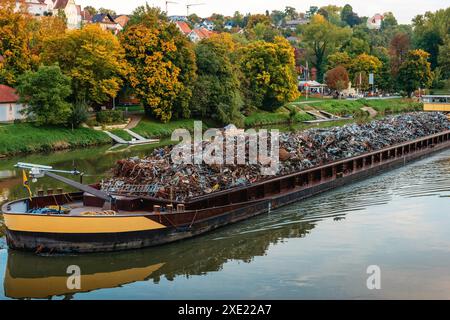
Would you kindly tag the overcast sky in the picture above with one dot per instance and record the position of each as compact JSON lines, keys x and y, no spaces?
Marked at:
{"x":404,"y":10}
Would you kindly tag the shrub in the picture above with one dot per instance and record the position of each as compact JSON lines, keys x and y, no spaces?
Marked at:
{"x":110,"y":117}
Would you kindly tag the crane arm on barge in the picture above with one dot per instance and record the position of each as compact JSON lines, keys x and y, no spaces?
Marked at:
{"x":38,"y":171}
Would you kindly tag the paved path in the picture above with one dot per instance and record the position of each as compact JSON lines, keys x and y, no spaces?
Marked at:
{"x":135,"y":119}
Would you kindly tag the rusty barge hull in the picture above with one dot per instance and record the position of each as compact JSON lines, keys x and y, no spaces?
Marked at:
{"x":206,"y":213}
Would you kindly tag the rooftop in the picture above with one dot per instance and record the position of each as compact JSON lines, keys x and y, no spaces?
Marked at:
{"x":8,"y":94}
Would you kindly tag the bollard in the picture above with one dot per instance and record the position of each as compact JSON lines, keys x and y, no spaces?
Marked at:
{"x":40,"y":193}
{"x":49,"y":192}
{"x":169,"y":208}
{"x":59,"y":190}
{"x":180,"y":207}
{"x":156,"y":208}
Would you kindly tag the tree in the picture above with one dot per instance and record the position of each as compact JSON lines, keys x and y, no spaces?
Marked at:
{"x":383,"y":78}
{"x":339,"y":59}
{"x":93,"y":58}
{"x":254,"y":19}
{"x":312,"y":11}
{"x":262,"y":31}
{"x":356,"y":46}
{"x":389,"y":21}
{"x":430,"y":31}
{"x":322,"y":38}
{"x":337,"y":78}
{"x":45,"y":29}
{"x":269,"y":78}
{"x":332,"y":13}
{"x":194,"y":19}
{"x":290,"y":13}
{"x":415,"y":71}
{"x":163,"y":65}
{"x":45,"y":92}
{"x":238,"y":19}
{"x":92,"y":11}
{"x":444,"y":58}
{"x":217,"y":90}
{"x":107,"y":11}
{"x":15,"y":42}
{"x":398,"y":49}
{"x":349,"y":17}
{"x":277,"y":17}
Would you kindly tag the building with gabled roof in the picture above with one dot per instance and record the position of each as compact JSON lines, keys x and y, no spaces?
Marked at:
{"x":183,"y":27}
{"x":10,"y":107}
{"x":199,"y":34}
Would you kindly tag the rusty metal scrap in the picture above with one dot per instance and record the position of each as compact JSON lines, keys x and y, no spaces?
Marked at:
{"x":298,"y":151}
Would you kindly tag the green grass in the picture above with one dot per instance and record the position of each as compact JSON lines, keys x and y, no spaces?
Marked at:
{"x":281,"y":116}
{"x":26,"y":138}
{"x":150,"y":128}
{"x":135,"y":108}
{"x":122,"y":134}
{"x":382,"y":106}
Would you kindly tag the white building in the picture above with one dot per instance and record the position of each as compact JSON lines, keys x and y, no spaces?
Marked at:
{"x":10,"y":108}
{"x":375,"y":22}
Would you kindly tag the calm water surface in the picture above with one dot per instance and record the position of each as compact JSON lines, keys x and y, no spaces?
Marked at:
{"x":318,"y":248}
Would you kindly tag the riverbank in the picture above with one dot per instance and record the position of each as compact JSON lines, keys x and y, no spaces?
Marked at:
{"x":24,"y":138}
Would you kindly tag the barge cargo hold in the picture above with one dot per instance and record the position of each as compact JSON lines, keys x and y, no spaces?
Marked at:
{"x":137,"y":222}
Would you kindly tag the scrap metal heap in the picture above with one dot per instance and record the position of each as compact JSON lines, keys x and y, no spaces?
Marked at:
{"x":156,"y":175}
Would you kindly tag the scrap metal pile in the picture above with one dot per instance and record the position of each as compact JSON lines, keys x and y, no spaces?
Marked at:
{"x":158,"y":176}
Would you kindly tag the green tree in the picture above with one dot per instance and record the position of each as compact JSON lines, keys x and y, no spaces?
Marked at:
{"x":217,"y":90}
{"x":389,"y":21}
{"x":322,"y":38}
{"x":339,"y":59}
{"x":444,"y":58}
{"x":93,"y":58}
{"x":107,"y":11}
{"x":430,"y":31}
{"x":415,"y":71}
{"x":45,"y":92}
{"x":290,"y":13}
{"x":383,"y":78}
{"x":92,"y":11}
{"x":349,"y":17}
{"x":269,"y":77}
{"x":356,"y":46}
{"x":332,"y":13}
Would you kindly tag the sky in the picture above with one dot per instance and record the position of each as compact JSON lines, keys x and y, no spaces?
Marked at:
{"x":404,"y":10}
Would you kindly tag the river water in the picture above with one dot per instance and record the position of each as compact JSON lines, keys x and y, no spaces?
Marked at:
{"x":318,"y":248}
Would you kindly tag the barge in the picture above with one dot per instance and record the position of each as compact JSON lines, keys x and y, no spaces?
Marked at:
{"x":92,"y":221}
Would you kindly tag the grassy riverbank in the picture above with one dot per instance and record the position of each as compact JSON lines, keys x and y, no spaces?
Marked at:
{"x":25,"y":138}
{"x":353,"y":107}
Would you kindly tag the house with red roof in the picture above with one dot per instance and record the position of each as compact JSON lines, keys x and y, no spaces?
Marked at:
{"x":10,"y":107}
{"x":183,"y":27}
